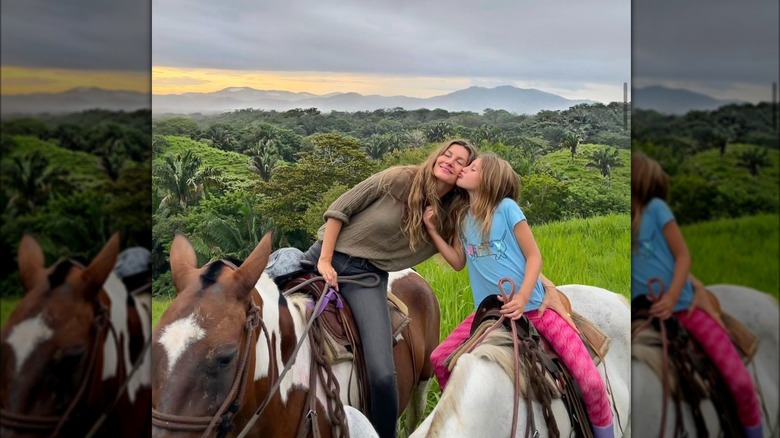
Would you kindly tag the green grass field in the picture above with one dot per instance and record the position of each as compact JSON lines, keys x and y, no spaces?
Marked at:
{"x":740,"y":251}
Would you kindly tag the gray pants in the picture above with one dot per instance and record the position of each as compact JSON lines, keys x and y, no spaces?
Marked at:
{"x":369,"y":308}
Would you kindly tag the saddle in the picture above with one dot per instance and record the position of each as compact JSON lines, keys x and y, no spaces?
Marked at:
{"x":692,"y":376}
{"x":555,"y":380}
{"x":335,"y":328}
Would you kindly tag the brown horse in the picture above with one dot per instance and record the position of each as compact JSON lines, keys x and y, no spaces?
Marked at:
{"x":75,"y":356}
{"x":203,"y":364}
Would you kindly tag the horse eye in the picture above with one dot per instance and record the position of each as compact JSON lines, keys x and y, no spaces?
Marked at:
{"x":223,"y":360}
{"x":69,"y":358}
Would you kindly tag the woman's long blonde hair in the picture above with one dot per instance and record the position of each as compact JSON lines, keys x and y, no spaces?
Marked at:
{"x":497,"y":181}
{"x":648,"y":181}
{"x":448,"y":210}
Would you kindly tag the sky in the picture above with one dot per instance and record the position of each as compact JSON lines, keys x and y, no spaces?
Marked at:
{"x":723,"y":48}
{"x":420,"y":48}
{"x":54,"y":46}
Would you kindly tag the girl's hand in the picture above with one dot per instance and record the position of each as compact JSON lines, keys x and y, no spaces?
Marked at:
{"x":663,"y":307}
{"x":514,"y":308}
{"x":328,"y":273}
{"x":702,"y":301}
{"x":428,"y":218}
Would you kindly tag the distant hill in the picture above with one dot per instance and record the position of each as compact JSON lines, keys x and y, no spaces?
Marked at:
{"x":476,"y":99}
{"x":674,"y":100}
{"x":75,"y":100}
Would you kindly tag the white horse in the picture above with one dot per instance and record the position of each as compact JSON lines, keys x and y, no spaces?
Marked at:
{"x":479,"y":397}
{"x":759,"y":312}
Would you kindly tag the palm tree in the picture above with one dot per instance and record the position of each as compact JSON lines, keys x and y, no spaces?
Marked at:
{"x":232,"y":236}
{"x":263,"y":157}
{"x":754,"y":159}
{"x":29,"y":181}
{"x":183,"y":181}
{"x":415,"y":139}
{"x":604,"y":159}
{"x":220,"y":137}
{"x":570,"y":141}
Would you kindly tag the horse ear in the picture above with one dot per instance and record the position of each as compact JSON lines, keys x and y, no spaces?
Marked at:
{"x":253,"y":266}
{"x":31,"y":261}
{"x":183,"y":260}
{"x":98,"y":271}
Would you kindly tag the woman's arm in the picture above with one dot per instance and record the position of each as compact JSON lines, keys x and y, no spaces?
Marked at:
{"x":533,"y":268}
{"x":324,"y":264}
{"x":453,"y":254}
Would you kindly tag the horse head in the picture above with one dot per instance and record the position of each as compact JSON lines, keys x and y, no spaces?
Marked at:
{"x":201,"y":345}
{"x":50,"y":342}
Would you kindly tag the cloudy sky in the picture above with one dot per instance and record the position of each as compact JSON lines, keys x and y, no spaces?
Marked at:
{"x":51,"y":46}
{"x":724,"y":48}
{"x":416,"y":48}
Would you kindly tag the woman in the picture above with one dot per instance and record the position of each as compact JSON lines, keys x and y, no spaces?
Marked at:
{"x":377,"y":226}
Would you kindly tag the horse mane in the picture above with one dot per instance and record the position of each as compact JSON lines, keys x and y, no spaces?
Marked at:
{"x":646,"y":348}
{"x":495,"y":348}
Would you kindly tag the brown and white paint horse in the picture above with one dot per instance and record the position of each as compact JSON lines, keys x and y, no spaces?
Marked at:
{"x":68,"y":348}
{"x":199,"y":342}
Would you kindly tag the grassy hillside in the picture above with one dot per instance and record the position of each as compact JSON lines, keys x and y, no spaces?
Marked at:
{"x":576,"y":170}
{"x":82,"y":167}
{"x":232,"y":166}
{"x":744,"y":251}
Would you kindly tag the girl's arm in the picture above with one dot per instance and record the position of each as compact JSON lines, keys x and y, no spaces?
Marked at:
{"x":664,"y":307}
{"x":533,"y":267}
{"x":324,"y":266}
{"x":453,"y":254}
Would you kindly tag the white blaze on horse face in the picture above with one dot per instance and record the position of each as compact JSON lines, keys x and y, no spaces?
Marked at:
{"x":177,"y":336}
{"x":25,"y":336}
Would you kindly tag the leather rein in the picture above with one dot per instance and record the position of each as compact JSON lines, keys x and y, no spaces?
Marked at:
{"x":40,"y":423}
{"x":230,"y":406}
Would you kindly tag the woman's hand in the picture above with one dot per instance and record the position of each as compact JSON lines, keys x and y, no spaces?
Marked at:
{"x":514,"y":308}
{"x":325,"y":269}
{"x":428,"y":219}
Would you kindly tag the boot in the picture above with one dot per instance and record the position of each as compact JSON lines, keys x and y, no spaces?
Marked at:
{"x":603,"y":431}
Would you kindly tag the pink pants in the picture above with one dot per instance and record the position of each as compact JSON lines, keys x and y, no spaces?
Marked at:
{"x":716,"y":344}
{"x":566,"y":343}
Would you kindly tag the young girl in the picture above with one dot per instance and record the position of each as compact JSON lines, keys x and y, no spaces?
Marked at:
{"x":496,"y":242}
{"x":659,"y":252}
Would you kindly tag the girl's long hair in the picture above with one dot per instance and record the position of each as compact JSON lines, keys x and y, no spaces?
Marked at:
{"x":448,"y":210}
{"x":497,"y":181}
{"x":648,"y":181}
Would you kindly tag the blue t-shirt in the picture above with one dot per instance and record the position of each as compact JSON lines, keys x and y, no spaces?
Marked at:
{"x":652,"y":257}
{"x":499,"y":257}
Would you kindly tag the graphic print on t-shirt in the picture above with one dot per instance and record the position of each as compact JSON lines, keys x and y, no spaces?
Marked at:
{"x":484,"y":249}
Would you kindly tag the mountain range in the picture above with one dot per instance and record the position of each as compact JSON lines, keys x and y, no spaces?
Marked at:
{"x":74,"y":100}
{"x":674,"y":100}
{"x":476,"y":99}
